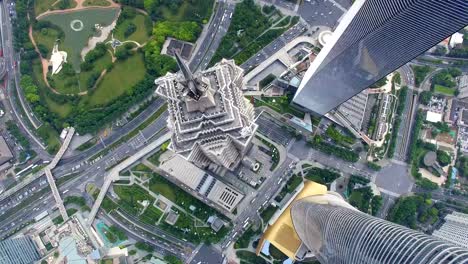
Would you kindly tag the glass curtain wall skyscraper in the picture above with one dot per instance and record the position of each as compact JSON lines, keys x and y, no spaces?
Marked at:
{"x":337,"y":234}
{"x":374,"y":38}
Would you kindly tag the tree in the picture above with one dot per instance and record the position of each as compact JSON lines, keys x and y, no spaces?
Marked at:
{"x":443,"y":158}
{"x":170,"y":259}
{"x":427,"y":184}
{"x":376,"y":204}
{"x":440,"y":50}
{"x":425,"y":97}
{"x":143,"y":246}
{"x":122,"y":54}
{"x":129,"y":29}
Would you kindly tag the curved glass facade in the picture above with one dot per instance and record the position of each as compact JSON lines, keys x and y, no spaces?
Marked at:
{"x":337,"y":234}
{"x":374,"y":38}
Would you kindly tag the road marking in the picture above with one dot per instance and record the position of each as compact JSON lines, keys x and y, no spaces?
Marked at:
{"x":339,"y":6}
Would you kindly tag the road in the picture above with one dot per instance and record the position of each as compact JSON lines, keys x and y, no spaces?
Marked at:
{"x":12,"y":81}
{"x":401,"y":146}
{"x":164,"y":243}
{"x":264,"y":196}
{"x":116,"y":133}
{"x":88,"y":172}
{"x":277,"y":44}
{"x":323,"y":12}
{"x":212,"y":36}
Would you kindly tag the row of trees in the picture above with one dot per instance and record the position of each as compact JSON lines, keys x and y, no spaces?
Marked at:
{"x":343,"y":153}
{"x":402,"y":93}
{"x":247,"y":24}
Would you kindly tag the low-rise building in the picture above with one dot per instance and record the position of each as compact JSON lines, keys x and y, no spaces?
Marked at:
{"x":203,"y":185}
{"x":456,"y":40}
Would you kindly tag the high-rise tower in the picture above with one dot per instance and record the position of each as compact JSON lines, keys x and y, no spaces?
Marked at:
{"x":321,"y":224}
{"x":374,"y":38}
{"x":336,"y":234}
{"x":212,"y":123}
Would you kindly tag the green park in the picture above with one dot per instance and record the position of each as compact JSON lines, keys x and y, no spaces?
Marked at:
{"x":98,"y":43}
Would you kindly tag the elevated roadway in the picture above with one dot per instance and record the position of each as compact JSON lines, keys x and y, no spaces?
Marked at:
{"x":50,"y":177}
{"x":113,"y":174}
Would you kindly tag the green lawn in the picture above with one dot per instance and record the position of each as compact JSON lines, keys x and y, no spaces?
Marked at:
{"x":140,"y":35}
{"x":279,"y":104}
{"x":151,"y":215}
{"x":118,"y":81}
{"x":444,"y":90}
{"x":60,"y":109}
{"x":65,"y":84}
{"x":161,"y":186}
{"x":96,"y":3}
{"x":99,"y":65}
{"x":130,"y":196}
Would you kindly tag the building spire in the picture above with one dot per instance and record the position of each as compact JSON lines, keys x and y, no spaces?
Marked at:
{"x":194,"y":91}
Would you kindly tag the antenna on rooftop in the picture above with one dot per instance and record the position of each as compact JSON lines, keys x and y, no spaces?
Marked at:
{"x":194,"y":90}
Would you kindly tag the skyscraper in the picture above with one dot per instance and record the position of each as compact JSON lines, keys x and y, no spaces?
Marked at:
{"x":337,"y":234}
{"x":212,"y":123}
{"x":321,"y":224}
{"x":374,"y":38}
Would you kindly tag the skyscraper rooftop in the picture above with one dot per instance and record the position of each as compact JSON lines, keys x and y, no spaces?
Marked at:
{"x":211,"y":121}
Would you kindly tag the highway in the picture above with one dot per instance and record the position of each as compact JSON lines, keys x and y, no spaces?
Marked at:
{"x":277,"y":44}
{"x":12,"y":81}
{"x":89,"y":173}
{"x":116,"y":133}
{"x":401,"y":146}
{"x":211,"y":38}
{"x":164,"y":244}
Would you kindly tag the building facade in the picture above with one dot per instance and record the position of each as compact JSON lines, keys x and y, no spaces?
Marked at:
{"x":21,"y":250}
{"x":455,"y":229}
{"x":338,"y":234}
{"x":212,"y":123}
{"x":373,"y":39}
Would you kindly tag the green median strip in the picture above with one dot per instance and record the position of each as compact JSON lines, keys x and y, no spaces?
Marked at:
{"x":132,"y":133}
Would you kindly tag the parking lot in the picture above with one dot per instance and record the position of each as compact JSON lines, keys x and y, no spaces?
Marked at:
{"x":323,"y":12}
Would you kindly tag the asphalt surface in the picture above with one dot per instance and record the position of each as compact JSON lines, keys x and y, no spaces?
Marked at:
{"x":272,"y":130}
{"x":211,"y":39}
{"x":323,"y":12}
{"x":116,"y":133}
{"x":401,"y":146}
{"x":12,"y":81}
{"x":89,"y":172}
{"x":277,"y":44}
{"x":265,"y":196}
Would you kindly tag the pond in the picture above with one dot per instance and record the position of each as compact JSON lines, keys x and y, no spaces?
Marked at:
{"x":78,"y":27}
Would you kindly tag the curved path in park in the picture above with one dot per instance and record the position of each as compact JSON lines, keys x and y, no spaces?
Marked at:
{"x":79,"y":6}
